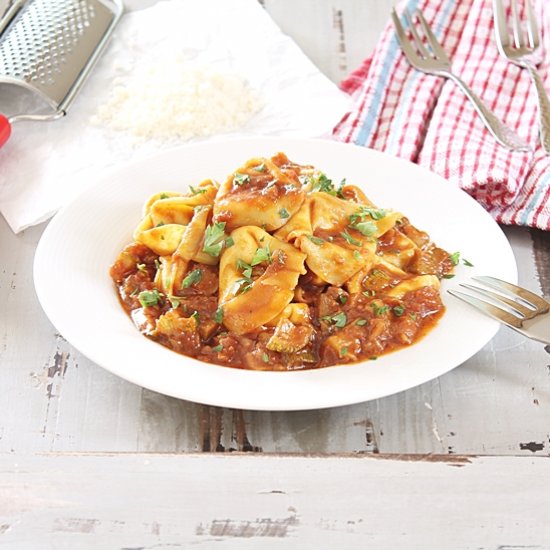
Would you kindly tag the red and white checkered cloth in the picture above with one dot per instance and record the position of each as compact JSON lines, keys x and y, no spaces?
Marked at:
{"x":428,"y":119}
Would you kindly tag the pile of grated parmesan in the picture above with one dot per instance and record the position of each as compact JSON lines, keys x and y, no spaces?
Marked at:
{"x":178,"y":102}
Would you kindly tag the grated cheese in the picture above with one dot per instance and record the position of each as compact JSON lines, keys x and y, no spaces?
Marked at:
{"x":175,"y":101}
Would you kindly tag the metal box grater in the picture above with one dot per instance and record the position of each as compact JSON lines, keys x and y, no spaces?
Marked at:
{"x":49,"y":48}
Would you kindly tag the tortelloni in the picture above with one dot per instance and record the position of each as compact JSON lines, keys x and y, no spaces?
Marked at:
{"x":258,"y":275}
{"x":278,"y":268}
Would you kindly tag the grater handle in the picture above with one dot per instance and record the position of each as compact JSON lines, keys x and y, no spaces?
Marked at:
{"x":5,"y":130}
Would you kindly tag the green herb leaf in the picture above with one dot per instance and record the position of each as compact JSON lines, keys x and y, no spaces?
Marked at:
{"x":379,"y":310}
{"x":229,"y":242}
{"x":214,"y":239}
{"x":343,"y":352}
{"x":163,"y":196}
{"x":245,"y":268}
{"x":261,"y":255}
{"x":260,"y":167}
{"x":218,"y":317}
{"x":339,"y":320}
{"x":195,"y":315}
{"x":323,"y":184}
{"x":350,"y":239}
{"x":366,"y":228}
{"x":398,"y":310}
{"x":315,"y":240}
{"x":448,"y":276}
{"x":361,"y":322}
{"x":356,"y":255}
{"x":197,"y":190}
{"x":192,"y":278}
{"x":265,"y":357}
{"x":217,"y":348}
{"x":148,"y":298}
{"x":240,"y":179}
{"x":283,"y":212}
{"x":342,"y":298}
{"x":467,"y":263}
{"x":455,"y":258}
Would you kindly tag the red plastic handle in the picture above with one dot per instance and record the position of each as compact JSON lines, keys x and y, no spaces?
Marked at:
{"x":5,"y":130}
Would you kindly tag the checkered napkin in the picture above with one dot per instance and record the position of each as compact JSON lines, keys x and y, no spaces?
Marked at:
{"x":428,"y":120}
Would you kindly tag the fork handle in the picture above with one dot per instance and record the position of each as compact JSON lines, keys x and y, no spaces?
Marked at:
{"x":504,"y":135}
{"x":544,"y":107}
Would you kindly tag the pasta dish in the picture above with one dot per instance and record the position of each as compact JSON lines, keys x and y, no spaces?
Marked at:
{"x":279,"y":268}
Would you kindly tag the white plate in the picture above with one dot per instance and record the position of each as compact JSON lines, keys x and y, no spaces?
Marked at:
{"x":71,"y":273}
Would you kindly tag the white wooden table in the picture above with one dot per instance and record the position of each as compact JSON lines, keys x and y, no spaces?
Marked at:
{"x":88,"y":460}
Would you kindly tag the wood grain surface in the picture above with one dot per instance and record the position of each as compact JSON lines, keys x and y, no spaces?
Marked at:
{"x":88,"y":460}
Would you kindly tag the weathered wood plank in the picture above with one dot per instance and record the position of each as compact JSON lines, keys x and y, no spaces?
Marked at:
{"x":170,"y":501}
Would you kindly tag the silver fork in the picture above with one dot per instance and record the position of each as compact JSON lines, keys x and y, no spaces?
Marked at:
{"x":521,"y":309}
{"x":438,"y":63}
{"x":516,"y":49}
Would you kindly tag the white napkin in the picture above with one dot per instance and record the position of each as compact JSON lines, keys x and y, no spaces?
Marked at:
{"x":44,"y":164}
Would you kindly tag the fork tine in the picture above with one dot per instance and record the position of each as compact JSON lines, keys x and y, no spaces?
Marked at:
{"x":526,"y":312}
{"x":489,"y":309}
{"x":532,"y":28}
{"x":503,"y":38}
{"x":434,"y":44}
{"x":529,"y":297}
{"x":516,"y":26}
{"x":406,"y":45}
{"x":418,"y":40}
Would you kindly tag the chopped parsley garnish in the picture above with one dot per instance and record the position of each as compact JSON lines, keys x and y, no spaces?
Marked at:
{"x":163,"y":196}
{"x":379,"y":310}
{"x":304,"y":180}
{"x":398,"y":310}
{"x":323,"y":184}
{"x":245,"y":284}
{"x":361,"y":322}
{"x":217,"y":348}
{"x":245,"y":268}
{"x":342,"y":298}
{"x":343,"y":352}
{"x":195,"y":315}
{"x":369,"y":293}
{"x":283,"y":212}
{"x":229,"y":242}
{"x":467,"y":263}
{"x":448,"y":276}
{"x":315,"y":240}
{"x":339,"y":320}
{"x":240,"y":179}
{"x":148,"y":298}
{"x":356,"y":255}
{"x":260,"y":167}
{"x":192,"y":278}
{"x":455,"y":258}
{"x":412,"y":316}
{"x":218,"y":317}
{"x":261,"y":255}
{"x":366,"y":228}
{"x":214,"y":239}
{"x":364,"y":211}
{"x":197,"y":190}
{"x":350,"y":239}
{"x":265,"y":357}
